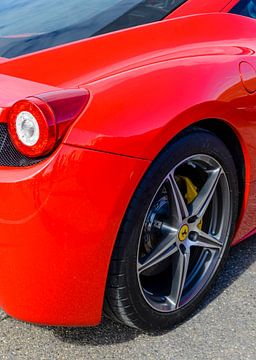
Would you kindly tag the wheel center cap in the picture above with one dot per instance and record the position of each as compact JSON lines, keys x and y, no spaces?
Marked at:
{"x":183,"y":233}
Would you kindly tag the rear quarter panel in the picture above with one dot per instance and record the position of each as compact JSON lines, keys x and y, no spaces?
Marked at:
{"x":137,"y":113}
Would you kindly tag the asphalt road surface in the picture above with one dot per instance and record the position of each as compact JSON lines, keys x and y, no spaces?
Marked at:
{"x":224,"y":328}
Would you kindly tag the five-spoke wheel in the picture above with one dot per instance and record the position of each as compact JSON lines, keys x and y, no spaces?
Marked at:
{"x":181,"y":239}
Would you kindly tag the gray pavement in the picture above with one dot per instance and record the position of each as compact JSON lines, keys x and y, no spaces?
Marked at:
{"x":224,"y":327}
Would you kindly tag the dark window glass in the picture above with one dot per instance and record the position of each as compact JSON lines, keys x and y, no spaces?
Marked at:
{"x":245,"y":8}
{"x":30,"y":25}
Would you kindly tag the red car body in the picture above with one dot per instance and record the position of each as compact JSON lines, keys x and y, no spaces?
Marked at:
{"x":59,"y":219}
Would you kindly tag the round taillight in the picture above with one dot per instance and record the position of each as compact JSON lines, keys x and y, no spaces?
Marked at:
{"x":38,"y":123}
{"x":32,"y":127}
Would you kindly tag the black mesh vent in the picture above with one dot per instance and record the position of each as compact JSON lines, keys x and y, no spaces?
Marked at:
{"x":9,"y":156}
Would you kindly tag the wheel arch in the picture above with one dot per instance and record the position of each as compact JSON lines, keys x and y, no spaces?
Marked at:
{"x":225,"y":132}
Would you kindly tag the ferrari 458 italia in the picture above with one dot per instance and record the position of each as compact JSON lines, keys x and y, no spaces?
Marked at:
{"x":127,"y":155}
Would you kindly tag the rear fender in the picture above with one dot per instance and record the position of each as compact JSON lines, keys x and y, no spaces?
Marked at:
{"x":137,"y":113}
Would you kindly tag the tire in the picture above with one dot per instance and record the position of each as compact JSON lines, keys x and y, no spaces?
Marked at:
{"x":175,"y":235}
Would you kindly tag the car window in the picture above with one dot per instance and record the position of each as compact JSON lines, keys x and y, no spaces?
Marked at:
{"x":27,"y":26}
{"x":245,"y":8}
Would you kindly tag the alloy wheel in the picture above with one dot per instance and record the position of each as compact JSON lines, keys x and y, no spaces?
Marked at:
{"x":184,"y":233}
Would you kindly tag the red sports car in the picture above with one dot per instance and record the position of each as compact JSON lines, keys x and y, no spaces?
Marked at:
{"x":127,"y":155}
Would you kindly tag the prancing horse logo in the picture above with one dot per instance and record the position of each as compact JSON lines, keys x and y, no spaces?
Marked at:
{"x":183,"y":233}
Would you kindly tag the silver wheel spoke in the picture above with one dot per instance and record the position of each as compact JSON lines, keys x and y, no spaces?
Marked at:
{"x":180,"y":207}
{"x":162,"y":251}
{"x":179,"y":278}
{"x":207,"y":241}
{"x":203,"y":199}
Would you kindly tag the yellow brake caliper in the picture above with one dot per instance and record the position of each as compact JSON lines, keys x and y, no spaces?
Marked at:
{"x":191,"y":194}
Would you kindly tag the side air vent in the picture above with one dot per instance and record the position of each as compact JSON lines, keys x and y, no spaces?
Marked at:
{"x":9,"y":156}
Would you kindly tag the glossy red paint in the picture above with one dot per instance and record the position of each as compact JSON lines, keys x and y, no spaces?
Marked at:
{"x":248,"y":76}
{"x":54,"y":251}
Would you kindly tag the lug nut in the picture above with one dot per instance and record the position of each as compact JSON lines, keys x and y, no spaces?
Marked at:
{"x":193,"y":236}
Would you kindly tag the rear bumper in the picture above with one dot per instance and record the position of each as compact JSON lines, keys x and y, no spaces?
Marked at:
{"x":58,"y":224}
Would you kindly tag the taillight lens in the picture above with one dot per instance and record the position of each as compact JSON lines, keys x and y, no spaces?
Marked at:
{"x":32,"y":127}
{"x":37,"y":124}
